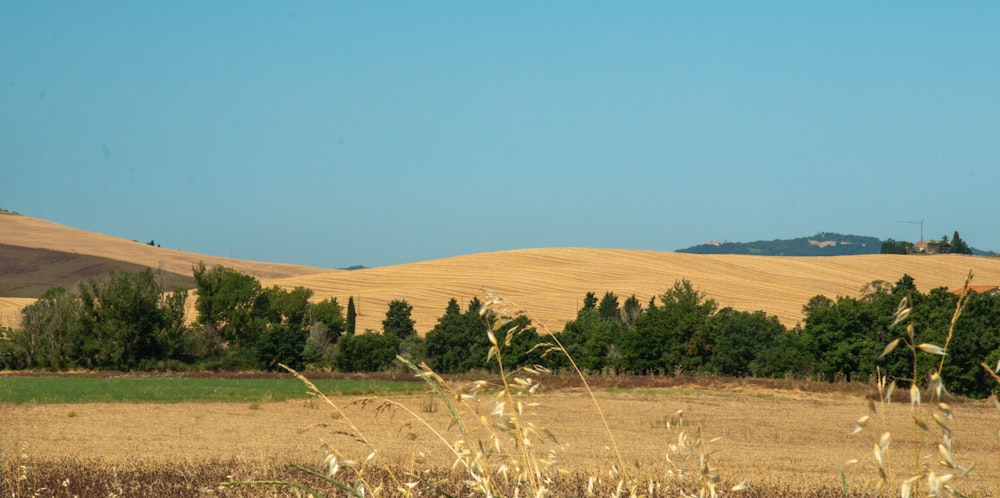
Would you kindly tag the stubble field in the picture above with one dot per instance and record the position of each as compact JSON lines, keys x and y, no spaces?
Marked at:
{"x":781,"y":442}
{"x":548,"y":282}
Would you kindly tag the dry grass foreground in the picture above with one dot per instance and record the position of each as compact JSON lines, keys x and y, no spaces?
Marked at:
{"x":777,"y":440}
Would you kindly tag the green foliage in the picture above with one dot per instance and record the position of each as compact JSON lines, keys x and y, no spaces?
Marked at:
{"x":592,"y":341}
{"x":291,"y":307}
{"x":9,"y":353}
{"x":120,"y":319}
{"x":845,"y":338}
{"x":51,"y":334}
{"x":124,"y":322}
{"x":683,"y":333}
{"x":457,"y":343}
{"x":891,"y":246}
{"x":231,"y":303}
{"x":368,"y":352}
{"x":670,"y":337}
{"x":976,"y":339}
{"x":176,"y":389}
{"x":519,"y":342}
{"x":821,"y":244}
{"x":630,"y":311}
{"x":958,"y":246}
{"x":350,"y":325}
{"x":263,"y":327}
{"x":178,"y":341}
{"x":905,"y":284}
{"x":608,"y":309}
{"x":745,"y":344}
{"x":283,"y":343}
{"x":326,"y":326}
{"x":329,"y":313}
{"x":397,"y":321}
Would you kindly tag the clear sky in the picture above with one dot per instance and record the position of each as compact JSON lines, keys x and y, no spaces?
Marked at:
{"x":377,"y":133}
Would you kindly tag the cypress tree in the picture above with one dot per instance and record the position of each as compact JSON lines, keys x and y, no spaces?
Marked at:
{"x":352,"y":316}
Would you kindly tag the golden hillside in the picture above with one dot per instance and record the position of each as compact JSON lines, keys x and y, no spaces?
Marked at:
{"x":25,"y":231}
{"x":551,"y":283}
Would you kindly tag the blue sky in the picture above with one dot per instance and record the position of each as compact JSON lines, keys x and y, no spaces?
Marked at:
{"x":377,"y":133}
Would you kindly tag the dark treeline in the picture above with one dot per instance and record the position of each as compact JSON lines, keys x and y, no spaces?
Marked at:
{"x":682,"y":331}
{"x":128,"y":322}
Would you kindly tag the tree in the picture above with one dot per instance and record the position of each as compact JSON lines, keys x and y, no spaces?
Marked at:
{"x":51,"y":334}
{"x":352,"y":317}
{"x":290,"y":306}
{"x":176,"y":339}
{"x":452,"y":308}
{"x":741,"y":340}
{"x":608,"y":308}
{"x":670,"y":337}
{"x":958,"y":246}
{"x":844,"y":338}
{"x":945,"y":246}
{"x":397,"y":321}
{"x":282,"y":343}
{"x":896,"y":247}
{"x":121,"y":317}
{"x":329,"y":313}
{"x":590,"y":339}
{"x":872,"y":290}
{"x":369,"y":352}
{"x":589,"y":301}
{"x":905,"y":284}
{"x":458,"y":342}
{"x":519,"y":344}
{"x":232,"y":304}
{"x":976,"y":339}
{"x":630,"y":311}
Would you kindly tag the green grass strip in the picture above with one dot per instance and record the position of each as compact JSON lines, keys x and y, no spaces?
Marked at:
{"x":128,"y":389}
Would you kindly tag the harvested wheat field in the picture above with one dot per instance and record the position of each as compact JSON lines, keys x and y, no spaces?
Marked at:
{"x":25,"y":231}
{"x":782,"y":443}
{"x":550,"y":284}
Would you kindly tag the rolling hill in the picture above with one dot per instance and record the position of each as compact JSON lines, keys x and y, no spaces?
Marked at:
{"x":36,"y":255}
{"x":33,"y":233}
{"x":549,"y":283}
{"x":30,"y":272}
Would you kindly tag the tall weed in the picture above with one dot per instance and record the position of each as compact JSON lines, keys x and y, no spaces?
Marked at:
{"x":504,"y":452}
{"x":933,"y":466}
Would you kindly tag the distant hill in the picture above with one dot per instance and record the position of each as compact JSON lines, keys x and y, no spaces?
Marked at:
{"x":821,"y":244}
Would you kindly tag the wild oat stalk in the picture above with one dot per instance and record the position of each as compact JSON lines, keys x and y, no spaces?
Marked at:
{"x":680,"y":456}
{"x":503,"y":453}
{"x":939,"y":412}
{"x":556,"y":346}
{"x":995,"y":373}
